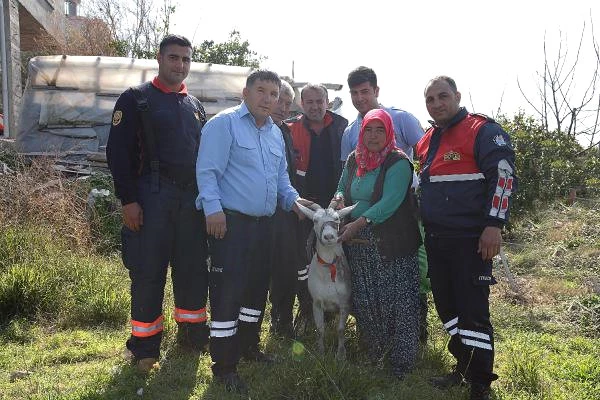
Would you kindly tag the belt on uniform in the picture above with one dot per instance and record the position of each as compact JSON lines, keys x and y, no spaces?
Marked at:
{"x":237,"y":214}
{"x":180,"y":183}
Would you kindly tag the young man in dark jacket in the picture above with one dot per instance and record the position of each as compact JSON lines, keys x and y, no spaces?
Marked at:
{"x":151,"y":152}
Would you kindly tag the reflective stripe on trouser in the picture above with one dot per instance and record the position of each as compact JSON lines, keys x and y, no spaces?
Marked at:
{"x":173,"y":233}
{"x":220,"y":329}
{"x":192,"y":316}
{"x":146,"y":329}
{"x":303,"y":274}
{"x":451,"y":326}
{"x":239,"y":280}
{"x":462,"y":302}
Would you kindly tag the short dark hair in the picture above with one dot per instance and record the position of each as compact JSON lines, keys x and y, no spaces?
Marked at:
{"x":443,"y":78}
{"x":262,"y":75}
{"x":314,"y":86}
{"x":362,"y":75}
{"x":174,"y":39}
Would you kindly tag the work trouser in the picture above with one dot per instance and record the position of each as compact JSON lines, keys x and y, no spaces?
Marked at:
{"x":286,"y":267}
{"x":307,"y":241}
{"x":239,"y":280}
{"x":424,"y":288}
{"x":174,"y":232}
{"x":460,"y":283}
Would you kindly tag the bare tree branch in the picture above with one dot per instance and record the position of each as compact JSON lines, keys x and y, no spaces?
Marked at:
{"x":499,"y":109}
{"x":567,"y":101}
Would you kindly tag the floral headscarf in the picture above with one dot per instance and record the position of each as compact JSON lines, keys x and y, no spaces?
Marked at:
{"x":368,"y":160}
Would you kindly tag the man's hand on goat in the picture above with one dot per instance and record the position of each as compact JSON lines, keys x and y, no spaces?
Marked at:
{"x":350,"y":230}
{"x":305,"y":203}
{"x":337,"y":203}
{"x":216,"y":225}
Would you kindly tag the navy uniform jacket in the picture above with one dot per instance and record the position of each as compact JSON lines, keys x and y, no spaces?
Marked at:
{"x":177,"y":118}
{"x":467,"y":176}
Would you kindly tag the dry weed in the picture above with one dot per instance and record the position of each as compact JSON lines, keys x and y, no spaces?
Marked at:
{"x":36,"y":194}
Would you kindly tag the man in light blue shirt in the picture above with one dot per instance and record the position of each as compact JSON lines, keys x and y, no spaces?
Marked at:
{"x":242,"y":175}
{"x":364,"y":92}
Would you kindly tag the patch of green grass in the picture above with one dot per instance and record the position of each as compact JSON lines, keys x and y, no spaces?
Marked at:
{"x":71,"y":364}
{"x":87,"y":364}
{"x":42,"y":279}
{"x":64,"y":313}
{"x":545,"y":366}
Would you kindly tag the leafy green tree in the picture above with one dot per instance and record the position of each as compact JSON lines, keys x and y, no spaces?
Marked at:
{"x":548,"y":163}
{"x":234,"y":51}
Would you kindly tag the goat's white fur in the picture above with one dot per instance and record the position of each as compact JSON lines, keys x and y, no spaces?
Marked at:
{"x":328,"y":295}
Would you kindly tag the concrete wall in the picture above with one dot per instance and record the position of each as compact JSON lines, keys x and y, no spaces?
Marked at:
{"x":26,"y":23}
{"x":41,"y":17}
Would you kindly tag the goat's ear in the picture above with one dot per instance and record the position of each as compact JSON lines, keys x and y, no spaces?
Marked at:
{"x":306,"y":211}
{"x":345,"y":211}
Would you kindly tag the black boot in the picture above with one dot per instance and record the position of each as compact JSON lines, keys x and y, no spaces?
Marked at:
{"x":233,"y":383}
{"x":193,"y":337}
{"x":254,"y":354}
{"x":444,"y":382}
{"x":480,"y":391}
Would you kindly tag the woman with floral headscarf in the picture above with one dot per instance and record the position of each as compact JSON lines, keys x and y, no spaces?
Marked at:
{"x":382,"y":241}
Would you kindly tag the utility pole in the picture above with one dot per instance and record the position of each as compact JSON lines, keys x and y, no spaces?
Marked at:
{"x":10,"y":43}
{"x":5,"y":56}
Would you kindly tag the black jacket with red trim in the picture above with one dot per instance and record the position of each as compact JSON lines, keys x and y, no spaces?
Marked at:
{"x":467,"y":176}
{"x":301,"y":136}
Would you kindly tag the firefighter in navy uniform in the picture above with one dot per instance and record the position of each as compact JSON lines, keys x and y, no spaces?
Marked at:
{"x":152,"y":150}
{"x":467,"y":179}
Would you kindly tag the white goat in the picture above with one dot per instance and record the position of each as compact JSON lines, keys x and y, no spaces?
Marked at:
{"x":329,"y":274}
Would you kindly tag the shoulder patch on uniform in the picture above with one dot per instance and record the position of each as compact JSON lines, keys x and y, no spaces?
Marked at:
{"x":117,"y":117}
{"x":499,"y":140}
{"x":452,"y":156}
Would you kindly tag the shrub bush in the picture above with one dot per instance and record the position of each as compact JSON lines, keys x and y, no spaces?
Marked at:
{"x":548,"y":164}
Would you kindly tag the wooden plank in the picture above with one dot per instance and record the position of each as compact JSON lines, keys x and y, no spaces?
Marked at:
{"x":97,"y":156}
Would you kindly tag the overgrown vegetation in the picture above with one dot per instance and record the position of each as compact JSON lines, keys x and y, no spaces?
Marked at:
{"x":37,"y":194}
{"x":549,"y":164}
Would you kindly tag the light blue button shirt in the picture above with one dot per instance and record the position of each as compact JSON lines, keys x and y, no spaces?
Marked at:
{"x":406,"y":127}
{"x":242,"y":167}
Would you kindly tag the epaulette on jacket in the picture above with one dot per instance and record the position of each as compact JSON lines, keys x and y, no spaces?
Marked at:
{"x":486,"y":117}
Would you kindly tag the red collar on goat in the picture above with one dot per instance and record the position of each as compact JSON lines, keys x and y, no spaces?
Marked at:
{"x":331,"y":265}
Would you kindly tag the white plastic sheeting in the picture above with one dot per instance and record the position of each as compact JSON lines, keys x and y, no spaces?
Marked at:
{"x":68,"y":100}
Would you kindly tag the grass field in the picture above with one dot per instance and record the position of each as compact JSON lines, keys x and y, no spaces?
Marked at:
{"x":64,"y":310}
